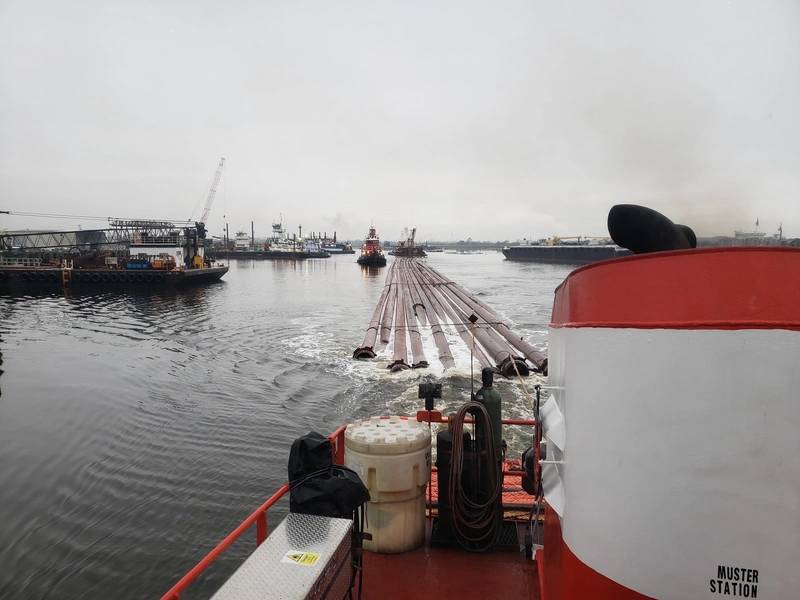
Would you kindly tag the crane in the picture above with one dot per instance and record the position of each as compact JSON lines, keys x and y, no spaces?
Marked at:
{"x":212,"y":192}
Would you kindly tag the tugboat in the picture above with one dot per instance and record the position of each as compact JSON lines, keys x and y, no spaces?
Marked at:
{"x":371,"y":251}
{"x":663,"y":459}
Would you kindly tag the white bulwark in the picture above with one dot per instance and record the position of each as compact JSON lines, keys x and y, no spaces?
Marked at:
{"x":680,"y":474}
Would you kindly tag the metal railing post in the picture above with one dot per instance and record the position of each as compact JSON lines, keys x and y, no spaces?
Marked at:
{"x":261,"y":528}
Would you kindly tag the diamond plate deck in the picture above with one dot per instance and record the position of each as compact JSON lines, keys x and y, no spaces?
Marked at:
{"x":268,"y":575}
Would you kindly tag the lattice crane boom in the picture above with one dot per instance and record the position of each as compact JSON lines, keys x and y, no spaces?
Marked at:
{"x":212,"y":192}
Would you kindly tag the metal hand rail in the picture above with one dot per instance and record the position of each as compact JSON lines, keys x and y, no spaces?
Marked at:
{"x":20,"y":262}
{"x":435,"y":416}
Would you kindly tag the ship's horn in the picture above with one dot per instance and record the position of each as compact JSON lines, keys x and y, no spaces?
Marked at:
{"x":689,"y":233}
{"x":641,"y":229}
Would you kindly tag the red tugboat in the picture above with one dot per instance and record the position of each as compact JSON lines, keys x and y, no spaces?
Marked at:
{"x":664,"y":458}
{"x":371,"y":251}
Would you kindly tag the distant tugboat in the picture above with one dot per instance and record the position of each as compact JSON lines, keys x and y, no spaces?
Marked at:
{"x":371,"y":251}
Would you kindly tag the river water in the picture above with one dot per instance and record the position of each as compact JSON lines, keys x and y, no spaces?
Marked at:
{"x":137,"y":429}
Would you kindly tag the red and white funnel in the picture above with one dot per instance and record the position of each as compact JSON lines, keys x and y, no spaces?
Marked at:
{"x":674,"y":428}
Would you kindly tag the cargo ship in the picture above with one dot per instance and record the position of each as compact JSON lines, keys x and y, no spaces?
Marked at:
{"x":372,"y":251}
{"x":661,"y":463}
{"x":171,"y":258}
{"x":575,"y":251}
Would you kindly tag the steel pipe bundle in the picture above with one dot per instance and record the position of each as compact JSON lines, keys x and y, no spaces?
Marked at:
{"x":536,"y":357}
{"x":366,"y":349}
{"x":415,"y":295}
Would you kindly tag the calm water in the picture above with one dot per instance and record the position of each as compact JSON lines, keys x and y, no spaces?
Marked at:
{"x":136,"y":430}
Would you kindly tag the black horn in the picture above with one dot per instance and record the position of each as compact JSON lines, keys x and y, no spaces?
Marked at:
{"x":641,"y":229}
{"x":689,"y":233}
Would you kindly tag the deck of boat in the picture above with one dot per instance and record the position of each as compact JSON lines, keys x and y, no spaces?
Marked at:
{"x":440,"y":570}
{"x":445,"y":573}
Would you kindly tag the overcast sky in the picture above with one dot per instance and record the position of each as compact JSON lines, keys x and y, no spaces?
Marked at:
{"x":495,"y":120}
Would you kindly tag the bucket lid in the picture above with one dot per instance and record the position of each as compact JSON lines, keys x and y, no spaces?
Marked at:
{"x":394,"y":435}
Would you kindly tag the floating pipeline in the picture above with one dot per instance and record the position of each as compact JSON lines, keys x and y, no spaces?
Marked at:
{"x":415,"y":295}
{"x":366,"y":349}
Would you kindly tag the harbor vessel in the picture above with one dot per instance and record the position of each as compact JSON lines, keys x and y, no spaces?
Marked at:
{"x":407,"y":246}
{"x":662,"y":461}
{"x":333,"y":246}
{"x":134,"y":253}
{"x":277,"y":247}
{"x":314,"y":248}
{"x":372,"y":251}
{"x":262,"y":254}
{"x":338,"y":248}
{"x":130,"y":252}
{"x":576,"y":250}
{"x":242,"y":241}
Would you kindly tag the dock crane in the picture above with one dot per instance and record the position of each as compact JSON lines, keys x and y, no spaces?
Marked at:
{"x":197,"y":236}
{"x":212,"y":192}
{"x":120,"y":233}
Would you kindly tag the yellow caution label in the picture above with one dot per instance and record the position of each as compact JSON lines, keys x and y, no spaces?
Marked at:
{"x":297,"y":557}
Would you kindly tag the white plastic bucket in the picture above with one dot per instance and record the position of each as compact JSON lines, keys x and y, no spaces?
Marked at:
{"x":393,"y":458}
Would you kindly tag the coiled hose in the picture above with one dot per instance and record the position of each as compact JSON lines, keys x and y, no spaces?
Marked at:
{"x":477,"y":522}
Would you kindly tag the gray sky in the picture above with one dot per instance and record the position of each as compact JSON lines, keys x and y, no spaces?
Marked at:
{"x":495,"y":120}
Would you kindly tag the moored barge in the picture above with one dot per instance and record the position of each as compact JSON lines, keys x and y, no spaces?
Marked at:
{"x":572,"y":254}
{"x":170,"y":258}
{"x":20,"y":277}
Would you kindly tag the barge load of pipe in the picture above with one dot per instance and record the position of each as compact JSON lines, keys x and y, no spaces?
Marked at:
{"x":416,"y":294}
{"x":132,"y":253}
{"x":566,"y":250}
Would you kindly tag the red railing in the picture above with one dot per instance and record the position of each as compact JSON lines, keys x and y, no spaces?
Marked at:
{"x":258,"y":516}
{"x":435,"y":416}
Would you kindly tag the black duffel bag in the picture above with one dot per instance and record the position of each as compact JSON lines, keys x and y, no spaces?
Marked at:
{"x":318,"y":487}
{"x":309,"y":453}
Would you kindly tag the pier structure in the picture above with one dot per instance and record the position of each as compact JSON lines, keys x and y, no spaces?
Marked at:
{"x":416,"y":296}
